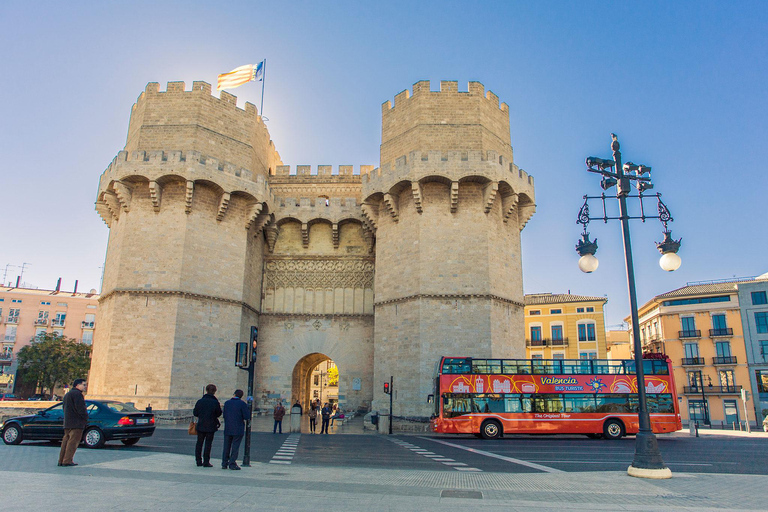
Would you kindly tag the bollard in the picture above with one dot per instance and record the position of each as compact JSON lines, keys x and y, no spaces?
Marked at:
{"x":697,"y":429}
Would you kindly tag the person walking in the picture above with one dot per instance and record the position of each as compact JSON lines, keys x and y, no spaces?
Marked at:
{"x":278,"y":415}
{"x":325,"y":412}
{"x":312,"y":417}
{"x":75,"y":420}
{"x":235,"y":415}
{"x":208,"y":411}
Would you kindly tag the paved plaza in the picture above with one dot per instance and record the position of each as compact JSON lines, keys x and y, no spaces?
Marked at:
{"x":127,"y":479}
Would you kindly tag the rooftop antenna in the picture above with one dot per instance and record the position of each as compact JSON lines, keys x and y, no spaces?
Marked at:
{"x":5,"y":273}
{"x":23,"y":266}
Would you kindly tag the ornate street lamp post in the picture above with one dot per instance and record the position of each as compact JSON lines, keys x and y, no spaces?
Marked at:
{"x":647,"y":462}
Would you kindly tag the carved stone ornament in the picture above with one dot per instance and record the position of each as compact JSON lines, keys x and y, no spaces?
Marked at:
{"x":319,"y":274}
{"x":317,"y":324}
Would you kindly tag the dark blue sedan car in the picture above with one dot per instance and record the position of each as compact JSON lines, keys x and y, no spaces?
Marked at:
{"x":107,"y":421}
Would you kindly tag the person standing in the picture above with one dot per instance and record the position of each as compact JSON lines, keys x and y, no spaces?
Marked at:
{"x":75,"y":420}
{"x":325,"y":412}
{"x":235,"y":415}
{"x":313,"y":417}
{"x":208,"y":411}
{"x":278,"y":415}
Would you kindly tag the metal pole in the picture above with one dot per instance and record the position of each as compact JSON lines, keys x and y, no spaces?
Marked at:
{"x":247,"y":448}
{"x":391,"y":394}
{"x":647,"y":454}
{"x":704,"y":399}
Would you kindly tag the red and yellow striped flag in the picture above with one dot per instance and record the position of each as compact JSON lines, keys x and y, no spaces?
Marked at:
{"x":241,"y":75}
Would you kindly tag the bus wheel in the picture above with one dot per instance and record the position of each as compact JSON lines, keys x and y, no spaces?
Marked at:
{"x":613,"y":429}
{"x":490,"y":430}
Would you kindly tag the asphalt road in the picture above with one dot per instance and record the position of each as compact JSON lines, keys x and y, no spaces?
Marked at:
{"x":512,"y":454}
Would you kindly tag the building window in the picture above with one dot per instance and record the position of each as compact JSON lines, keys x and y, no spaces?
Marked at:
{"x":718,"y":322}
{"x":587,"y":355}
{"x":16,"y":301}
{"x":10,"y":333}
{"x":535,"y":333}
{"x":691,"y":350}
{"x":726,"y":379}
{"x":587,"y":332}
{"x":762,"y":380}
{"x":59,"y":320}
{"x":58,"y":332}
{"x":761,"y":322}
{"x":590,"y":310}
{"x":688,"y":324}
{"x":557,"y":333}
{"x":723,"y":349}
{"x":694,"y":380}
{"x":579,"y":310}
{"x":13,"y":315}
{"x":536,"y":356}
{"x":700,"y":300}
{"x":62,"y":304}
{"x":555,"y":311}
{"x":40,"y":331}
{"x":88,"y":337}
{"x":696,"y":410}
{"x":764,"y":348}
{"x":45,"y":303}
{"x":535,"y":312}
{"x":558,"y":355}
{"x":759,"y":298}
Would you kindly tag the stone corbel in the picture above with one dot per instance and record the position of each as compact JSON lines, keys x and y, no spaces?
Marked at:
{"x":112,"y":204}
{"x":253,"y":214}
{"x":188,"y":198}
{"x":454,"y":196}
{"x":155,"y":192}
{"x":261,"y":221}
{"x":305,"y":234}
{"x":391,"y":204}
{"x":104,"y":213}
{"x":525,"y":214}
{"x":335,"y":231}
{"x":223,"y":205}
{"x":370,"y":214}
{"x":489,"y":195}
{"x":369,"y":238}
{"x":272,"y":231}
{"x":417,"y":197}
{"x":509,"y":205}
{"x":123,"y":193}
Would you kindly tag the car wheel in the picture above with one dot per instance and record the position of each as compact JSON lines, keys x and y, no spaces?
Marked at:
{"x":130,"y":442}
{"x":490,"y":430}
{"x":613,"y":429}
{"x":94,"y":438}
{"x":12,"y":434}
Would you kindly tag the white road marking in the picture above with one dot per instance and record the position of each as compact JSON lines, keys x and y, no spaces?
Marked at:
{"x":495,"y":456}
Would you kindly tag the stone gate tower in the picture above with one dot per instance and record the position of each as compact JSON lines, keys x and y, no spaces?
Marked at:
{"x":381,"y":271}
{"x":447,"y":206}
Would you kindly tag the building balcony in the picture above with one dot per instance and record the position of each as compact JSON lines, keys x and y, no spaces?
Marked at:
{"x":712,"y":390}
{"x":57,"y":323}
{"x":9,"y":339}
{"x":724,"y":360}
{"x":12,"y":320}
{"x":714,"y":333}
{"x":535,"y":343}
{"x":693,"y":361}
{"x":689,"y":334}
{"x":41,"y":321}
{"x":87,"y":325}
{"x":563,"y":342}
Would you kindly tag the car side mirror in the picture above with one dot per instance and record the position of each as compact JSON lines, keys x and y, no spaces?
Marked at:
{"x":41,"y":413}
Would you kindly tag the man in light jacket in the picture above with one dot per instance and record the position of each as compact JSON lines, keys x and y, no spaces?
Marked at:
{"x":235,"y":415}
{"x":75,"y":420}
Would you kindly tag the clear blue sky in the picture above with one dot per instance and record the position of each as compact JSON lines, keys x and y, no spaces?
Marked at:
{"x":683,"y":84}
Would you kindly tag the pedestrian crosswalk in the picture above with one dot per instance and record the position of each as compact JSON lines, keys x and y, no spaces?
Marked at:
{"x":458,"y":466}
{"x":286,"y":452}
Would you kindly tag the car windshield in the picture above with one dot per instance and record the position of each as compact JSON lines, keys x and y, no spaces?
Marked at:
{"x":121,"y":407}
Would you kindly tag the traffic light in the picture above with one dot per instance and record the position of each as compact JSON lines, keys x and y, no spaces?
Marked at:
{"x":241,"y":355}
{"x":254,"y":341}
{"x":386,"y":388}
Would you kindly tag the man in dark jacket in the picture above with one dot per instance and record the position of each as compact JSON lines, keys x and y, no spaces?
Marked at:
{"x":75,"y":420}
{"x":235,"y":415}
{"x":208,"y":411}
{"x":325,"y":412}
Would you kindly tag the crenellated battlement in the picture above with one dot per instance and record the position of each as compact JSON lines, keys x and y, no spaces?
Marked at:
{"x":447,"y":88}
{"x":196,"y":120}
{"x":425,"y":120}
{"x":199,"y":88}
{"x":452,"y":165}
{"x":321,"y":173}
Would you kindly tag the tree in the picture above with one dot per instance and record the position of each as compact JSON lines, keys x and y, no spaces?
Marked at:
{"x":52,"y":359}
{"x":333,"y":376}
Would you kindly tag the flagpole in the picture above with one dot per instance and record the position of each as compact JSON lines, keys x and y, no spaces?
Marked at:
{"x":263,"y":79}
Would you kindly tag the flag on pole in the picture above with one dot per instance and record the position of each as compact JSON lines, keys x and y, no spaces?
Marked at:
{"x":241,"y":75}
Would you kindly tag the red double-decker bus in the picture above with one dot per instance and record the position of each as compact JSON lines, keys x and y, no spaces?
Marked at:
{"x":595,"y":397}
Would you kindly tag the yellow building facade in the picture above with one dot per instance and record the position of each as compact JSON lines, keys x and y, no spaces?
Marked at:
{"x":699,"y":327}
{"x":564,"y":326}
